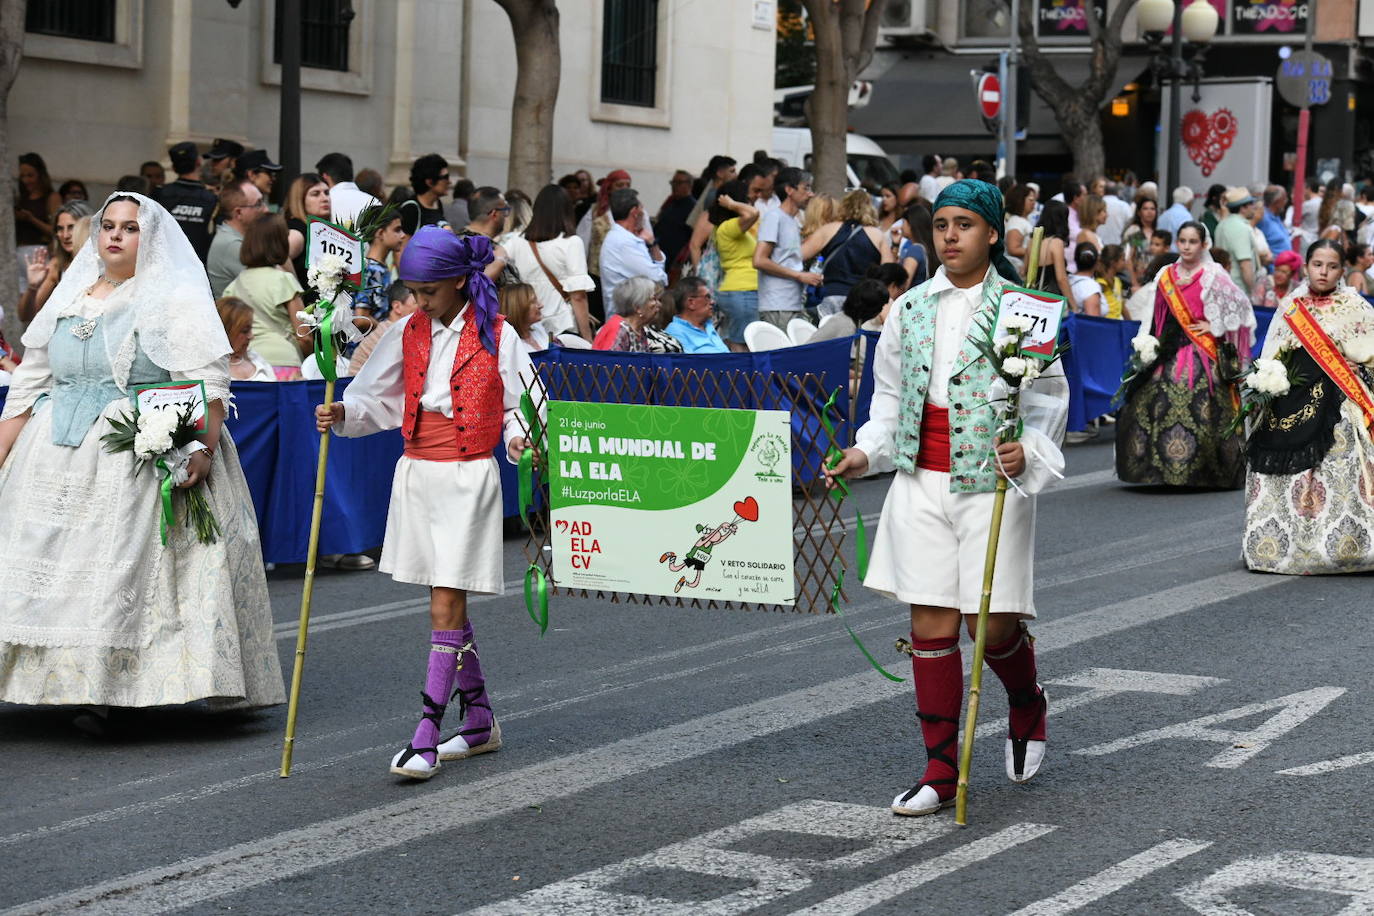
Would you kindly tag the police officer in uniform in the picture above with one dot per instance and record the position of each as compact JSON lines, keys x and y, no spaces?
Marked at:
{"x":191,"y":204}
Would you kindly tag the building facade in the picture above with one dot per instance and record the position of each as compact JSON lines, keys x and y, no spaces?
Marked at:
{"x":647,"y":85}
{"x":927,"y":49}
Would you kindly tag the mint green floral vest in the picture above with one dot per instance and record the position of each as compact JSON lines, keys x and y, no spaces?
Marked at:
{"x":970,"y":415}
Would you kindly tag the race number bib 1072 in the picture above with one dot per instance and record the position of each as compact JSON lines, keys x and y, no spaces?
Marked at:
{"x":1044,"y":311}
{"x":327,"y":238}
{"x":175,"y":397}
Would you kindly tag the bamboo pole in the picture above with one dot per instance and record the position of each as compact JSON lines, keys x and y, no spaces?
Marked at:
{"x":980,"y":633}
{"x":307,"y":592}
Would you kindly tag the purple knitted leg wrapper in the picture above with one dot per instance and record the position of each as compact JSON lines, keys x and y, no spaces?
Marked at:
{"x":472,"y":690}
{"x":444,"y":646}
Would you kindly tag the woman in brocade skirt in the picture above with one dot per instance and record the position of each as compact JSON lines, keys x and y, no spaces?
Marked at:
{"x":1172,"y":427}
{"x":1309,"y":496}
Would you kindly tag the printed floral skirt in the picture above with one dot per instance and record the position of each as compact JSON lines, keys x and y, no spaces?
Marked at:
{"x":1171,"y":434}
{"x":1318,"y":521}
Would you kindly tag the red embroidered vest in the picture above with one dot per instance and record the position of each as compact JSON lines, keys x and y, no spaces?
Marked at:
{"x":478,"y":392}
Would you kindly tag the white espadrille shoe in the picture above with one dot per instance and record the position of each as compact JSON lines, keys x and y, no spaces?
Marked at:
{"x":1024,"y":756}
{"x":410,"y":762}
{"x":457,"y":747}
{"x":921,"y":799}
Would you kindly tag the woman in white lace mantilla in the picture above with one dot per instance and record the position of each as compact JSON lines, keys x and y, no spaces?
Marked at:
{"x":94,"y":608}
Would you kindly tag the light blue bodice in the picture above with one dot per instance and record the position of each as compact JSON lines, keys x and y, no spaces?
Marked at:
{"x":83,"y":381}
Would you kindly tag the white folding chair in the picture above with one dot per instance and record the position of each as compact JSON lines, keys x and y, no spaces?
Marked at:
{"x":574,"y":341}
{"x":760,"y":335}
{"x":800,"y":330}
{"x":831,"y":317}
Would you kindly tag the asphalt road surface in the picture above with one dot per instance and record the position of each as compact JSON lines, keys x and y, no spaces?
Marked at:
{"x":1210,"y":751}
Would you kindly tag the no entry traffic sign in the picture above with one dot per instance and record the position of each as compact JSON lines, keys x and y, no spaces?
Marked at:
{"x":989,"y":95}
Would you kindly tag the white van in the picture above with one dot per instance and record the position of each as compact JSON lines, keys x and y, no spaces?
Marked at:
{"x":868,"y":166}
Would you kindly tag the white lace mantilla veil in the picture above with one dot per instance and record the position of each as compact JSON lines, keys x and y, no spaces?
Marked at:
{"x":1224,"y":304}
{"x":165,"y":309}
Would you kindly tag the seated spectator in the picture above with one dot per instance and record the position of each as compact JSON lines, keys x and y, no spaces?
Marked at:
{"x":636,"y":302}
{"x":865,"y":302}
{"x":73,"y":189}
{"x":245,"y":363}
{"x":1110,"y":266}
{"x":274,"y":295}
{"x":524,"y":314}
{"x":891,"y":276}
{"x":1086,"y":293}
{"x":692,"y":325}
{"x":402,"y":303}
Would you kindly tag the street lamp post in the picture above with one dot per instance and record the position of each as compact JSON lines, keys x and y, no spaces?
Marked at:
{"x":1196,"y":23}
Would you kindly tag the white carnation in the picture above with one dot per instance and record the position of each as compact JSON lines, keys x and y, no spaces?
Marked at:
{"x":1015,"y":323}
{"x":1146,"y":348}
{"x":1269,"y":376}
{"x":1014,"y":366}
{"x":155,"y":431}
{"x":1007,"y":343}
{"x":1032,"y":373}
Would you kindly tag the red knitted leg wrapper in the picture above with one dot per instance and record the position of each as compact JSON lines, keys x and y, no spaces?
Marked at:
{"x":937,"y":668}
{"x":1014,"y":663}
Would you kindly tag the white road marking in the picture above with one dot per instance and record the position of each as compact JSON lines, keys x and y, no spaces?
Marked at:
{"x":1330,"y":766}
{"x":901,"y":882}
{"x":256,"y":862}
{"x":1293,"y":710}
{"x":716,"y":855}
{"x":1110,"y":880}
{"x":1105,"y":683}
{"x":1349,"y":876}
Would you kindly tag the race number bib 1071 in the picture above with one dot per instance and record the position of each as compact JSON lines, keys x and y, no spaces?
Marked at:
{"x":327,"y":238}
{"x":175,"y":397}
{"x":1044,"y":311}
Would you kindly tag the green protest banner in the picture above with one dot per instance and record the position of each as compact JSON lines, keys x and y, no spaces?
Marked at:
{"x":687,"y":501}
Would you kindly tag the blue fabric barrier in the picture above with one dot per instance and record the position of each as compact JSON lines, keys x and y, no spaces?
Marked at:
{"x":1098,"y":351}
{"x":1262,"y":319}
{"x":278,"y":447}
{"x":864,"y":397}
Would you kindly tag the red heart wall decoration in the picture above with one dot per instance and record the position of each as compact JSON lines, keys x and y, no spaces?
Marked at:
{"x":1208,"y":137}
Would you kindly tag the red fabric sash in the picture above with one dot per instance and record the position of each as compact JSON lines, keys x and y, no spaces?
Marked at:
{"x":934,"y":451}
{"x":433,"y":440}
{"x":1325,"y":353}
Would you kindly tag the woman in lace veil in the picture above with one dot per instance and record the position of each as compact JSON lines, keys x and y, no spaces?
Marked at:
{"x":94,"y":608}
{"x":1309,"y":495}
{"x":1172,"y":427}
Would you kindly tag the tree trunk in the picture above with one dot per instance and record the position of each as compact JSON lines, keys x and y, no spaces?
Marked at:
{"x":845,"y":32}
{"x":827,"y":108}
{"x":11,"y":51}
{"x":538,"y":68}
{"x":1078,"y":108}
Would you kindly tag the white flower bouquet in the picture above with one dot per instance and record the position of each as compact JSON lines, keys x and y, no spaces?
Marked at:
{"x":326,"y":275}
{"x":1265,"y":380}
{"x":1144,"y":354}
{"x":163,"y":438}
{"x":1014,"y":371}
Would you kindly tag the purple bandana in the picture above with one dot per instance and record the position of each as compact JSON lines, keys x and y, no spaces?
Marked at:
{"x":437,"y":254}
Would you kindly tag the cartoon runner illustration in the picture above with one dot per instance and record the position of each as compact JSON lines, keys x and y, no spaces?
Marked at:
{"x":700,"y":554}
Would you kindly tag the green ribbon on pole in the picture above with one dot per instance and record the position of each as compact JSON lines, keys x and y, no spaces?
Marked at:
{"x":839,"y":493}
{"x":537,"y":587}
{"x":324,"y":343}
{"x":835,"y":606}
{"x":166,"y":514}
{"x":525,"y":473}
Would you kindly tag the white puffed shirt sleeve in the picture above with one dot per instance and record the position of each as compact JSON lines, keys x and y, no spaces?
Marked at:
{"x":513,"y":362}
{"x":876,"y":437}
{"x":375,"y":400}
{"x":1045,"y":412}
{"x":216,"y":379}
{"x":575,"y":278}
{"x":31,"y":380}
